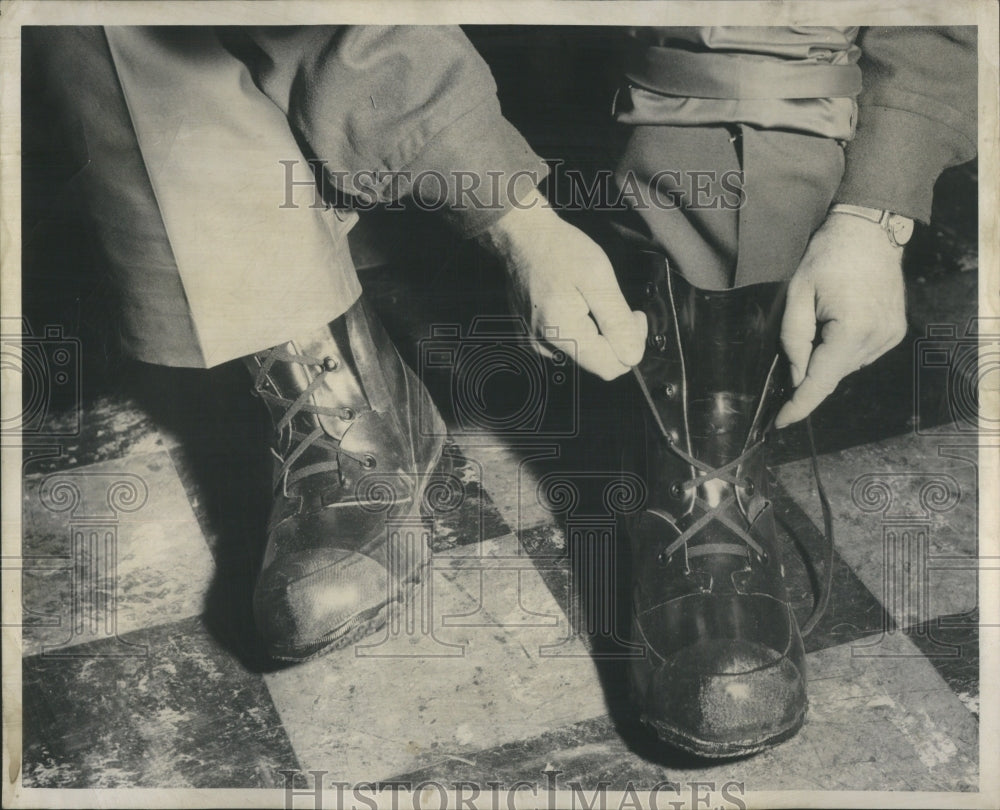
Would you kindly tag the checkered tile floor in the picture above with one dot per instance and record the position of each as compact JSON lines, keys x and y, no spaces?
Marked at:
{"x":503,"y":668}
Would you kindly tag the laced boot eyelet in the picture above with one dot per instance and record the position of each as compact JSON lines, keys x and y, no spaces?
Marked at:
{"x":658,"y":342}
{"x":676,"y":490}
{"x":330,"y":364}
{"x":651,"y":290}
{"x":368,"y":462}
{"x":348,"y":415}
{"x":749,"y":487}
{"x":670,"y":391}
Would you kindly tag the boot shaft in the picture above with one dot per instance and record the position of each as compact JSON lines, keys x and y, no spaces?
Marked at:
{"x":712,"y":360}
{"x":342,"y":394}
{"x":712,"y":382}
{"x":322,"y":356}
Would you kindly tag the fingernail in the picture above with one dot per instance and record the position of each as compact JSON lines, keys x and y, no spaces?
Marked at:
{"x":781,"y":420}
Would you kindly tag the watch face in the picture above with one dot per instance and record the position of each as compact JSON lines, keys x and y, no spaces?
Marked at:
{"x":901,"y":229}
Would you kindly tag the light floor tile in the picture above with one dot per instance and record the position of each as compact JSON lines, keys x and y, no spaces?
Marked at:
{"x":875,"y":723}
{"x":111,"y":547}
{"x":905,"y":519}
{"x":401,"y":700}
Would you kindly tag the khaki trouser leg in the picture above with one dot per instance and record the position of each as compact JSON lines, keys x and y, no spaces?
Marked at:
{"x":716,"y":229}
{"x":180,"y":156}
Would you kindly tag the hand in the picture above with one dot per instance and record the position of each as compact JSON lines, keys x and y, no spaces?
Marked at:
{"x":850,"y":281}
{"x":561,"y":279}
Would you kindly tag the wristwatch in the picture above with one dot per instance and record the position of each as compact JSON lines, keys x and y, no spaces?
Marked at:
{"x":898,"y":228}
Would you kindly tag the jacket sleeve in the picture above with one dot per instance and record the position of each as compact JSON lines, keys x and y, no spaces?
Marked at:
{"x":917,"y":116}
{"x":396,"y":111}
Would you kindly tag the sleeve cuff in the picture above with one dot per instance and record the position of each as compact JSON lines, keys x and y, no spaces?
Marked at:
{"x":895,"y":159}
{"x":475,"y":170}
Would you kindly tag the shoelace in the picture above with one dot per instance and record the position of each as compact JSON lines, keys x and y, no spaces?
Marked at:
{"x":303,"y":404}
{"x":757,"y":506}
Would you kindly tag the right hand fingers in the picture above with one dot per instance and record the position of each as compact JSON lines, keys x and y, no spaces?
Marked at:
{"x":624,"y":329}
{"x":579,"y":336}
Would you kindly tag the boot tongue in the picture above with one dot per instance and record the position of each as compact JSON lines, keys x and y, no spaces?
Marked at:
{"x":719,"y":424}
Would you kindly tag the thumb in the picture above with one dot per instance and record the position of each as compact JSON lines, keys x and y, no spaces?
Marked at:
{"x":624,"y":329}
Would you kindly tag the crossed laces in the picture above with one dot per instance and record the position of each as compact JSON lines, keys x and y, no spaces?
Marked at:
{"x":709,"y":512}
{"x":755,"y":509}
{"x":303,"y":404}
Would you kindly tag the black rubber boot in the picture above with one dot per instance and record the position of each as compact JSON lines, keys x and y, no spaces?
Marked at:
{"x":724,"y":669}
{"x":356,"y":439}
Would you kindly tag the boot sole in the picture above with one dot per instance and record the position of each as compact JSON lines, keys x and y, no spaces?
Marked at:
{"x":713,"y":749}
{"x":374,"y":619}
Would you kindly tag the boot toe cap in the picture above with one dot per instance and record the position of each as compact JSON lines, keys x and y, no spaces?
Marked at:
{"x":310,"y":602}
{"x":726,"y":697}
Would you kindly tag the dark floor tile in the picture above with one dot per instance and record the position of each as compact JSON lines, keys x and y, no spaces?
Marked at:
{"x":109,"y":427}
{"x":549,"y":542}
{"x":33,"y":454}
{"x":853,"y":611}
{"x":185,"y":714}
{"x":147,"y":408}
{"x":465,"y":513}
{"x":951,"y":643}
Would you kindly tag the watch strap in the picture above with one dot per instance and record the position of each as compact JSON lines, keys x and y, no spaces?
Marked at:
{"x":876,"y":215}
{"x":898,"y":228}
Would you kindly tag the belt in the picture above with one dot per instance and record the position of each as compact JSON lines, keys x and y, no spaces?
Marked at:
{"x":676,"y":72}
